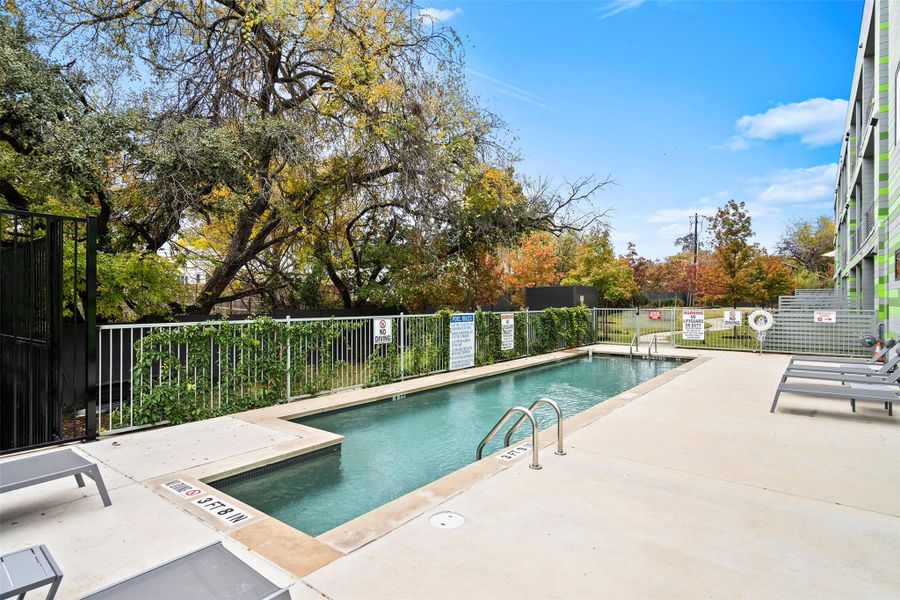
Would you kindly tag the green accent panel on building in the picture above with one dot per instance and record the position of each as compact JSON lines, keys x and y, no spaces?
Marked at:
{"x":883,"y":25}
{"x":883,"y":191}
{"x":883,"y":87}
{"x":883,"y":135}
{"x":883,"y":108}
{"x":883,"y":176}
{"x":884,"y":155}
{"x":882,"y":212}
{"x":883,"y":60}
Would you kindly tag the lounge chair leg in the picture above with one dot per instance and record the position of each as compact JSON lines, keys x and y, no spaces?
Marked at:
{"x":79,"y":479}
{"x":53,"y":589}
{"x":890,"y":409}
{"x":853,"y":404}
{"x":775,"y":401}
{"x":94,"y":473}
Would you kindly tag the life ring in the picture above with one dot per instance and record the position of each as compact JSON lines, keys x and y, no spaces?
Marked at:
{"x":760,"y":320}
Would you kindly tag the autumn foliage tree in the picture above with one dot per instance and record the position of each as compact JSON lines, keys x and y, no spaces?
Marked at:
{"x":534,"y":263}
{"x":280,"y":143}
{"x":734,"y":254}
{"x":597,"y":265}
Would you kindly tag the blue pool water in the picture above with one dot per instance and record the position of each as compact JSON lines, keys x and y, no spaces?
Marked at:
{"x":395,"y":446}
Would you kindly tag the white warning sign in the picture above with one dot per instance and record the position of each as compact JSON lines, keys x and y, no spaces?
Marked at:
{"x":383,"y":330}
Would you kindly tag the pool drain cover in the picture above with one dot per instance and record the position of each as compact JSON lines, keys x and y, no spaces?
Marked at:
{"x":446,"y":520}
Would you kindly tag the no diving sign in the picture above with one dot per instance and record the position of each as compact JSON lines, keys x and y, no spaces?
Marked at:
{"x":382,"y":330}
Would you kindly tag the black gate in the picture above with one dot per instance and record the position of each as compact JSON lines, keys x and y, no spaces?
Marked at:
{"x":48,"y":329}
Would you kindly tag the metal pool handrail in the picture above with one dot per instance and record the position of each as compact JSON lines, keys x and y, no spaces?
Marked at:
{"x":635,"y":344}
{"x":654,"y":345}
{"x":535,"y":463}
{"x":559,"y":424}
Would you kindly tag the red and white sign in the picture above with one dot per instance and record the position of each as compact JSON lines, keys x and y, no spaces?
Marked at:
{"x":825,"y":316}
{"x":655,"y":315}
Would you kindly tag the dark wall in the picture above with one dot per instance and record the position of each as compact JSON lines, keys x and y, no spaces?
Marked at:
{"x":560,"y":296}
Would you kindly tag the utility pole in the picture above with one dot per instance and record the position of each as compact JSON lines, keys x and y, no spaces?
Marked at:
{"x":696,"y":222}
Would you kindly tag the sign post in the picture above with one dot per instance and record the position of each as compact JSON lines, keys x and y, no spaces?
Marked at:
{"x":462,"y":341}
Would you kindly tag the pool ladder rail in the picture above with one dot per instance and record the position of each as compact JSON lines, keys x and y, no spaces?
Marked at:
{"x":526,"y":413}
{"x":653,"y":345}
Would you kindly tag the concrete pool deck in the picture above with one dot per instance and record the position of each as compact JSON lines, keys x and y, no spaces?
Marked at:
{"x":685,"y":489}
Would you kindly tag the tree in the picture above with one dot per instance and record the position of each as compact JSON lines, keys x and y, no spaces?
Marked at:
{"x":341,"y":123}
{"x":804,"y":242}
{"x":772,"y":278}
{"x":640,"y":266}
{"x":533,"y":263}
{"x":55,"y":149}
{"x":731,"y":231}
{"x":598,"y":266}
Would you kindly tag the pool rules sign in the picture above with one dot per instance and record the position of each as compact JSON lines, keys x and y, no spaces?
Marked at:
{"x":462,"y":341}
{"x":382,"y":330}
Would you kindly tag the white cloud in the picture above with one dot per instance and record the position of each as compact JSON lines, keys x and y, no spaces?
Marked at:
{"x":808,"y":186}
{"x":678,"y":215}
{"x":735,"y":144}
{"x":623,"y":237}
{"x":509,"y":89}
{"x":817,"y":122}
{"x":614,"y":7}
{"x":437,"y":15}
{"x":672,"y":231}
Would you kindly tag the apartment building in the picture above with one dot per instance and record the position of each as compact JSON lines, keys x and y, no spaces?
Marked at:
{"x":867,"y":193}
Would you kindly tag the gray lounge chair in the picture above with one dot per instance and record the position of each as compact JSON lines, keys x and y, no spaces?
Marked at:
{"x":875,"y":386}
{"x":32,"y":470}
{"x":801,"y":373}
{"x":208,"y":573}
{"x":864,"y":392}
{"x":28,"y":569}
{"x":851,"y":368}
{"x":837,"y":359}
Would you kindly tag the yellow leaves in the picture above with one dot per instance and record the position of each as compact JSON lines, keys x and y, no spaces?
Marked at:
{"x":491,"y":188}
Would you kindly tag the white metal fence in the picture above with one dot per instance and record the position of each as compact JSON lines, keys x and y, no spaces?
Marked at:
{"x":794,"y":331}
{"x":162,"y":372}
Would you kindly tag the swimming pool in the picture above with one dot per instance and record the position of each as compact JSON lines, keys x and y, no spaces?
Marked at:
{"x":393,"y":447}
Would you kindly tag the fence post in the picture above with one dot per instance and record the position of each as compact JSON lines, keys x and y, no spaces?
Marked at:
{"x":527,"y":333}
{"x":91,"y":364}
{"x":637,"y":326}
{"x":402,"y":366}
{"x":287,"y":332}
{"x":674,"y":324}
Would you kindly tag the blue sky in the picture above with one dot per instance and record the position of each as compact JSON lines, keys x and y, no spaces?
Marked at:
{"x":685,"y":104}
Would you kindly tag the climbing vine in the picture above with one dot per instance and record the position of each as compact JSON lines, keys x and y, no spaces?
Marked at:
{"x":193,"y":372}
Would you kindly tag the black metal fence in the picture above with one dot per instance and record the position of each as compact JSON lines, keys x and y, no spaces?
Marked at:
{"x":48,"y":294}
